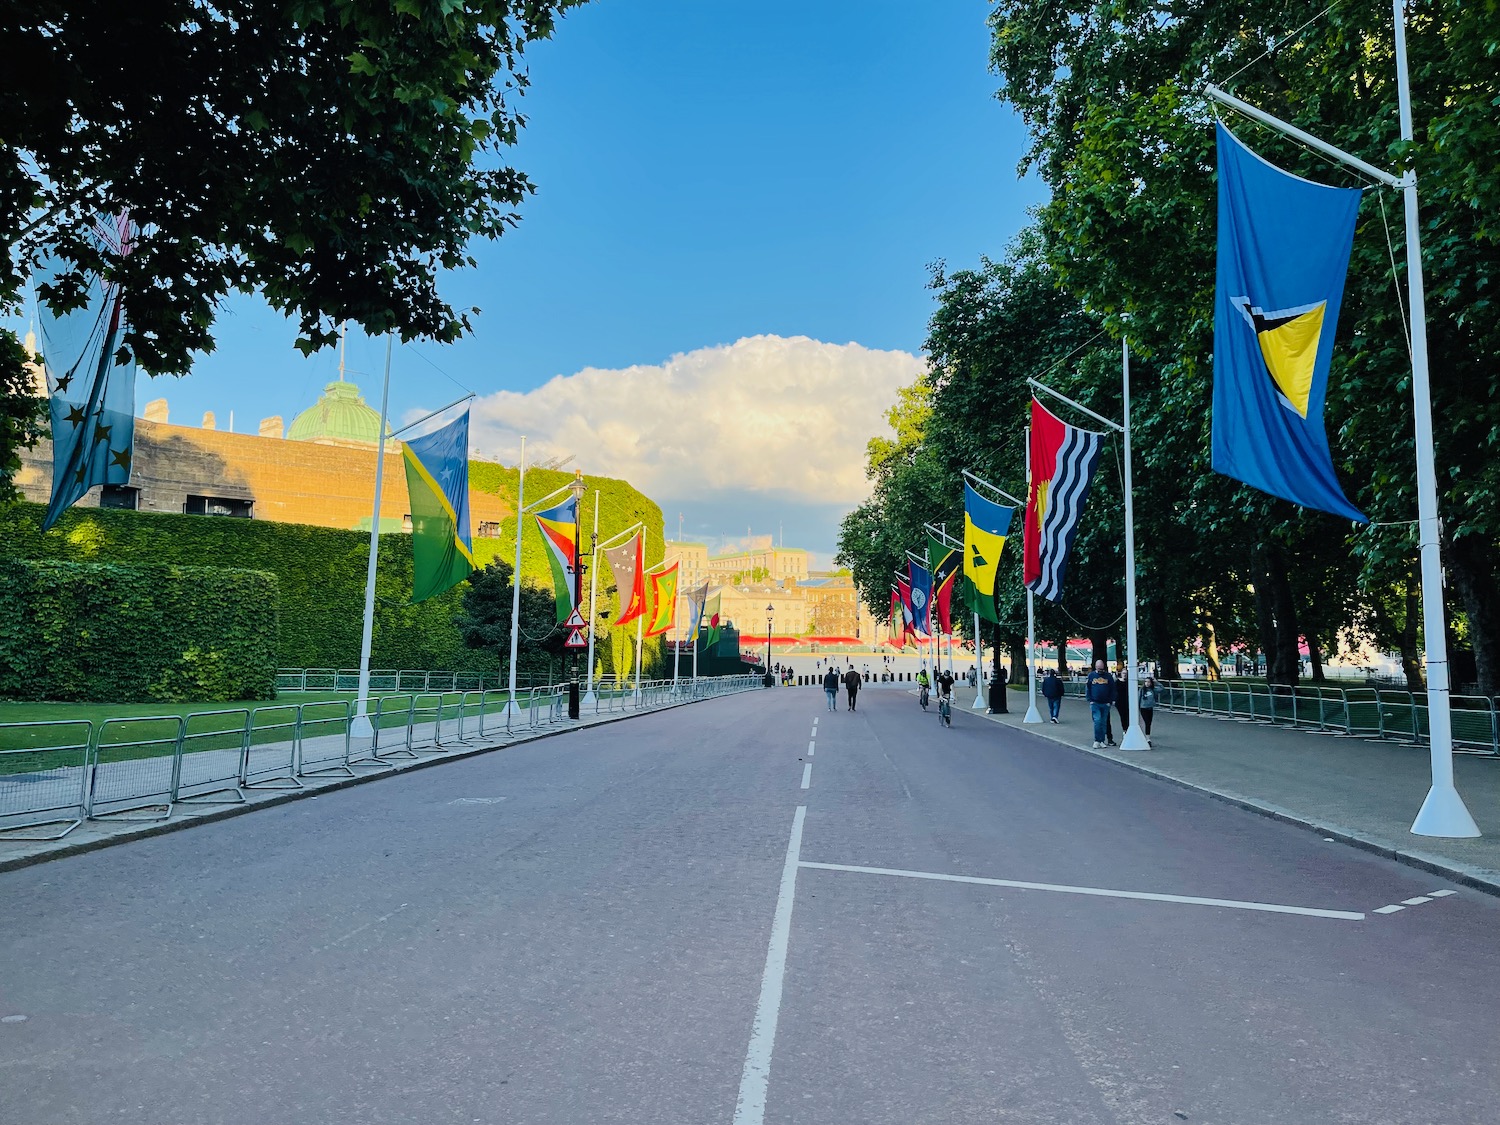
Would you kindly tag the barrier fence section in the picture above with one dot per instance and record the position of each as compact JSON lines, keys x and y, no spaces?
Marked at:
{"x":56,"y":775}
{"x":1384,"y":714}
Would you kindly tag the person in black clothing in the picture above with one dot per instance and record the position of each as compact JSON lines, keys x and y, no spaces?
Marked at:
{"x":851,"y":681}
{"x":831,"y":688}
{"x":1122,"y":702}
{"x":1052,"y":692}
{"x":945,"y":683}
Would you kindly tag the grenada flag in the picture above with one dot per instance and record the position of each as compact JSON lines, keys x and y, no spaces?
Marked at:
{"x":1062,"y":465}
{"x":1284,"y":246}
{"x":663,"y":600}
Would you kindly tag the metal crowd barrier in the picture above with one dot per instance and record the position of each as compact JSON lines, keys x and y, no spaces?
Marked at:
{"x":44,"y":778}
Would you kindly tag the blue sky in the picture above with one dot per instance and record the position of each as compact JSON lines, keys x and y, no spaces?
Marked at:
{"x":707,"y":171}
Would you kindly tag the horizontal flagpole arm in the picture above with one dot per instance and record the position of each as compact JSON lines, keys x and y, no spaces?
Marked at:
{"x":1380,"y":174}
{"x":434,"y":414}
{"x":993,"y":488}
{"x":943,"y":537}
{"x":631,"y":530}
{"x":535,"y":504}
{"x":1100,"y":418}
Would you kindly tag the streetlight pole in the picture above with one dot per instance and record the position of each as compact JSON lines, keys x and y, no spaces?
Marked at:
{"x":770,"y":609}
{"x":589,"y":697}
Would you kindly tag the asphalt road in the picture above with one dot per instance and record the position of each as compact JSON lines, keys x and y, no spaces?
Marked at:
{"x":621,"y":925}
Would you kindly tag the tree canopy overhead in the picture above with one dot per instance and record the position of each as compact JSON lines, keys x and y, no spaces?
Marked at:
{"x":334,"y":155}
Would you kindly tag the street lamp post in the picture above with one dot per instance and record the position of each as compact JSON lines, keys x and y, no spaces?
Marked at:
{"x":770,"y":609}
{"x":578,"y":489}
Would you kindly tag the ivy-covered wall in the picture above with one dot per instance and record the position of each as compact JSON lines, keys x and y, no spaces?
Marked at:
{"x":320,"y":572}
{"x":101,"y":632}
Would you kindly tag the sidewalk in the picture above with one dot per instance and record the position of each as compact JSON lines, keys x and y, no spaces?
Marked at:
{"x":1362,"y":793}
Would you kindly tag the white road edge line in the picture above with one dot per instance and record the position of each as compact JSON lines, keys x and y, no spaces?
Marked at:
{"x":806,"y":774}
{"x":1187,"y":900}
{"x":750,"y":1108}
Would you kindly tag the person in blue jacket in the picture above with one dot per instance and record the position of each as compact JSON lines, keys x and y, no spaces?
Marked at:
{"x":1052,"y":692}
{"x":1099,"y":689}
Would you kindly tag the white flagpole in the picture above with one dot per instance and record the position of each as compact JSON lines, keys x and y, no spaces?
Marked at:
{"x":676,"y":629}
{"x":1443,"y":813}
{"x":979,"y":700}
{"x":1032,"y":714}
{"x":511,"y":706}
{"x":640,"y":619}
{"x":698,"y":630}
{"x":360,"y":725}
{"x":589,"y":696}
{"x":1132,"y":737}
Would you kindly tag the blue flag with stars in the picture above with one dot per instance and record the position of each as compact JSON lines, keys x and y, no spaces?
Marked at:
{"x":437,"y":486}
{"x":1284,"y":245}
{"x":91,"y":394}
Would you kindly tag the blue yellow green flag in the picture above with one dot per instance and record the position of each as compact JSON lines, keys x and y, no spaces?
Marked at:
{"x":559,"y":528}
{"x":437,"y":481}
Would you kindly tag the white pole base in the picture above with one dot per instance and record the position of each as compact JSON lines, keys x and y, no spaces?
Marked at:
{"x":979,"y":702}
{"x":361,"y":727}
{"x":1032,"y":714}
{"x":1444,"y":814}
{"x":1133,"y":739}
{"x":513,"y":709}
{"x":589,"y":700}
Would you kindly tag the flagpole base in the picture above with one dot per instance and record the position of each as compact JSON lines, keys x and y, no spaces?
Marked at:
{"x":1133,"y":739}
{"x":1444,"y":814}
{"x":589,"y":700}
{"x":361,"y":727}
{"x":513,"y":710}
{"x":979,"y":702}
{"x":1032,"y":714}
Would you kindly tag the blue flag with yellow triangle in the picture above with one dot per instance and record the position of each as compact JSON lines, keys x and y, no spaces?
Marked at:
{"x":1284,"y":245}
{"x":437,"y":484}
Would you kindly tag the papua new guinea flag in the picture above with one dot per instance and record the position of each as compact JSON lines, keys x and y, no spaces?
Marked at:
{"x":1062,"y":465}
{"x":437,"y":483}
{"x":559,"y":528}
{"x":1284,"y":246}
{"x":627,"y":562}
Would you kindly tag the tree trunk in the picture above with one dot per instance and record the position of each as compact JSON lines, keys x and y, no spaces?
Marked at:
{"x":1288,"y":662}
{"x":1411,"y":658}
{"x":1264,"y":618}
{"x":1164,"y":650}
{"x":1062,"y":657}
{"x":1100,"y":643}
{"x":1316,"y":658}
{"x":1471,"y":566}
{"x":1211,"y":649}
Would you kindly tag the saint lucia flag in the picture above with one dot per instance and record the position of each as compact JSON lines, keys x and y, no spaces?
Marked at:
{"x":1284,"y":246}
{"x":437,"y":481}
{"x":1062,"y":465}
{"x":559,"y":528}
{"x":986,"y":524}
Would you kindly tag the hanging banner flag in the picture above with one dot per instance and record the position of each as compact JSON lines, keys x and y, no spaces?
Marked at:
{"x":437,"y":483}
{"x":663,"y":600}
{"x":713,"y":619}
{"x":697,"y":597}
{"x":1062,"y":465}
{"x":921,"y":599}
{"x":1284,"y":245}
{"x":896,"y":636}
{"x":91,"y":394}
{"x":986,"y":524}
{"x":944,"y":562}
{"x":627,"y":563}
{"x":903,"y":595}
{"x":559,"y":528}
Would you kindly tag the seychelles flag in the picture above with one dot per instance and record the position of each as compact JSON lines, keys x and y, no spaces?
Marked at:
{"x":437,"y":482}
{"x":1284,"y":246}
{"x":559,"y":528}
{"x":1062,"y":465}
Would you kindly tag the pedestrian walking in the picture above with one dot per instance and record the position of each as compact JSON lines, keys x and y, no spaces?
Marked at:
{"x":851,"y":682}
{"x":1099,"y":690}
{"x":1148,"y":706}
{"x":831,"y":688}
{"x":1052,"y":692}
{"x":1122,"y":700}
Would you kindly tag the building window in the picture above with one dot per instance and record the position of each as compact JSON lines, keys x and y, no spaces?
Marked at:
{"x":119,"y":496}
{"x":489,"y":529}
{"x":219,"y":506}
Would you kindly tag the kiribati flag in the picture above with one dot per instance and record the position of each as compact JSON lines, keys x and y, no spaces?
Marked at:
{"x":1062,"y":465}
{"x":1284,"y":246}
{"x":559,"y":528}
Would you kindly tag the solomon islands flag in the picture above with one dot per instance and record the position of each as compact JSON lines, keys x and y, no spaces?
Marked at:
{"x":437,"y":482}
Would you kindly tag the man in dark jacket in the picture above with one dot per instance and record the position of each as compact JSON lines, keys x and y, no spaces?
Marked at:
{"x":1052,"y":692}
{"x":1122,"y":700}
{"x":831,"y":688}
{"x":1099,"y":689}
{"x":851,"y":681}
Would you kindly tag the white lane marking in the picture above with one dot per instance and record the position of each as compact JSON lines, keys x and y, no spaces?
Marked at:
{"x":815,"y":720}
{"x":1388,"y":909}
{"x":806,"y":774}
{"x":1418,"y":901}
{"x":1440,"y":894}
{"x":361,"y":929}
{"x":750,"y":1108}
{"x":811,"y":746}
{"x":1149,"y":896}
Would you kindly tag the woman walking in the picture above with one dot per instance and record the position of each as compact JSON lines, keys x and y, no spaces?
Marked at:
{"x":1148,"y":706}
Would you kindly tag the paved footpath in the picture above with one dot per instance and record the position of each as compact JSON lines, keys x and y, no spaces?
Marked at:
{"x":1361,"y":791}
{"x":750,"y":911}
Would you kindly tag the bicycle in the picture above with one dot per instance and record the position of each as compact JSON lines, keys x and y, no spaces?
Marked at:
{"x":945,"y":710}
{"x":922,"y":696}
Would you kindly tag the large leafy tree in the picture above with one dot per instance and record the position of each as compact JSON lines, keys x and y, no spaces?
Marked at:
{"x":334,"y":155}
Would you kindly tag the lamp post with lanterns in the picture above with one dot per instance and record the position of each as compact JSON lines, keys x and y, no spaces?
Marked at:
{"x":770,"y":609}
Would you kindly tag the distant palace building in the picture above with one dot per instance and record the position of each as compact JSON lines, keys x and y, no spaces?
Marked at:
{"x":321,"y":472}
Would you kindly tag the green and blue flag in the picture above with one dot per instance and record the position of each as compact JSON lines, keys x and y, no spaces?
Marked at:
{"x":1284,"y":245}
{"x":437,"y":481}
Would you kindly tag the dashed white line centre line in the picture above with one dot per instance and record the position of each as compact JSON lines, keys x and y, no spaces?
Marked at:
{"x":806,"y":775}
{"x":811,"y":746}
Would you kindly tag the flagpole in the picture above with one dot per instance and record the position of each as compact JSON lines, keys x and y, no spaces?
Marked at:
{"x":1132,"y":737}
{"x":636,"y":691}
{"x":511,"y":706}
{"x":589,"y":696}
{"x":360,"y":725}
{"x":1032,"y":714}
{"x":979,"y":700}
{"x":1443,"y":813}
{"x":676,"y":629}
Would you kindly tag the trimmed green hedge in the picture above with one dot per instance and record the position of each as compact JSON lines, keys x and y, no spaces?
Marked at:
{"x":96,"y":632}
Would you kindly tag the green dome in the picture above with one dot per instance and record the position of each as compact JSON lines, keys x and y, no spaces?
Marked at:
{"x":339,"y":416}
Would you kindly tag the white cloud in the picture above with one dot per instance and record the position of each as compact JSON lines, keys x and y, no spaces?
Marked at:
{"x":788,"y":417}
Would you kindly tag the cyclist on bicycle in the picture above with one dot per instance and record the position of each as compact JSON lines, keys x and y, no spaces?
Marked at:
{"x":923,"y":683}
{"x":945,"y":683}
